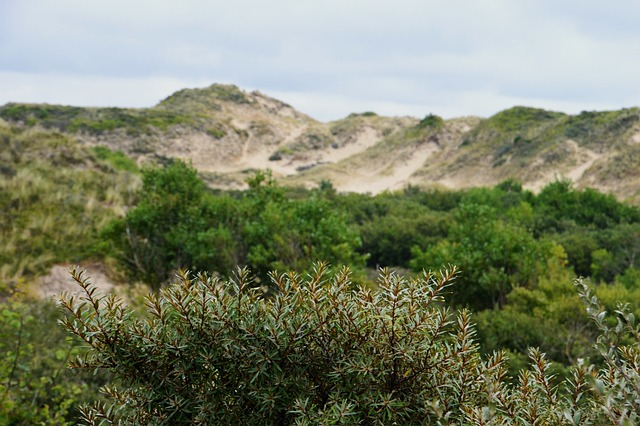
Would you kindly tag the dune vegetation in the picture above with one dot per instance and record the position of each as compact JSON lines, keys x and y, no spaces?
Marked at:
{"x":303,"y":304}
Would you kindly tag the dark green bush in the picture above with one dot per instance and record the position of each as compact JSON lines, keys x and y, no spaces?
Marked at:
{"x":179,"y":223}
{"x":362,"y":114}
{"x":497,"y":255}
{"x":431,"y":120}
{"x":276,"y":156}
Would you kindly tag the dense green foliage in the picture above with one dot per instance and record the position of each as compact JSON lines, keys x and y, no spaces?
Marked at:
{"x":178,"y":223}
{"x":220,"y":352}
{"x":431,"y":120}
{"x":35,"y":384}
{"x":495,"y":254}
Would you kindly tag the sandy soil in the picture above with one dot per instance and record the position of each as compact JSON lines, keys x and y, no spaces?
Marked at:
{"x":396,"y":177}
{"x":59,"y":280}
{"x":365,"y":139}
{"x":576,"y":173}
{"x":585,"y":158}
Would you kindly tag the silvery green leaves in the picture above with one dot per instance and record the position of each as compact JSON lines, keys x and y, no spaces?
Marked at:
{"x":319,"y":350}
{"x":617,"y":386}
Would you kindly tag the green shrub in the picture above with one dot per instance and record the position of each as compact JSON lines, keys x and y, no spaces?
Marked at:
{"x":497,"y":255}
{"x":216,"y":133}
{"x":519,"y":118}
{"x":179,"y":223}
{"x":362,"y":114}
{"x":34,"y":353}
{"x":214,"y":352}
{"x":276,"y":156}
{"x":617,"y":385}
{"x":317,"y":352}
{"x":431,"y":120}
{"x":228,"y":92}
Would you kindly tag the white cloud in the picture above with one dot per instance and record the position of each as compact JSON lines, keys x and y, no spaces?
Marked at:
{"x":449,"y":57}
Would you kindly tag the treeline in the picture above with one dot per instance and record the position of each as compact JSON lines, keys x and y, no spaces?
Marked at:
{"x":179,"y":223}
{"x":518,"y":252}
{"x":504,"y":231}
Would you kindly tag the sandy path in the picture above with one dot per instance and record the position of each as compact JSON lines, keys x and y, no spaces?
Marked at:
{"x":365,"y":139}
{"x":587,"y":158}
{"x":576,"y":173}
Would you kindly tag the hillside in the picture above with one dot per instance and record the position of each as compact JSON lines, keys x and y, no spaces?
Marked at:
{"x":226,"y":133}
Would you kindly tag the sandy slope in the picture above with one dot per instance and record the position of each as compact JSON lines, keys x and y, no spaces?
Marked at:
{"x":390,"y":177}
{"x":351,"y":153}
{"x":583,"y":160}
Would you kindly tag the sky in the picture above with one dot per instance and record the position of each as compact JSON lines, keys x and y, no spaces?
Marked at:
{"x":327,"y":58}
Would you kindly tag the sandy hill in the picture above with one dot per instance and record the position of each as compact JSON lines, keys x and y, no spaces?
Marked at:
{"x":226,"y":133}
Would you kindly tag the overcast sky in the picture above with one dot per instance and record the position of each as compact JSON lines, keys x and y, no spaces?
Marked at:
{"x":327,"y":58}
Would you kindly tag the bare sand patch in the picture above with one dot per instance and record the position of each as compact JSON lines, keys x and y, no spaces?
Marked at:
{"x":392,"y":176}
{"x":364,"y":139}
{"x":59,"y":280}
{"x":585,"y":158}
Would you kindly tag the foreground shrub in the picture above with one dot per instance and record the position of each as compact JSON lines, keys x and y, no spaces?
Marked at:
{"x":321,"y":352}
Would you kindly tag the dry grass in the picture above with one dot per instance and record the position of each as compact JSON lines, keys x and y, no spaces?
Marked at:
{"x":54,"y":197}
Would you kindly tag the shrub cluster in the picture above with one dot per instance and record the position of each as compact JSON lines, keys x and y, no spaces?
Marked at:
{"x":321,"y":352}
{"x":179,"y":223}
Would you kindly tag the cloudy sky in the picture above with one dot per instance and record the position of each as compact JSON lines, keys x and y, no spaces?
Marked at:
{"x":327,"y":58}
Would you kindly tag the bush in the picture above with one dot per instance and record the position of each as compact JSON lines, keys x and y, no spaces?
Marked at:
{"x":362,"y":114}
{"x":34,"y":354}
{"x":276,"y":156}
{"x":147,"y":239}
{"x":214,"y":352}
{"x":431,"y":120}
{"x":496,"y":255}
{"x":317,"y":352}
{"x":179,"y":223}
